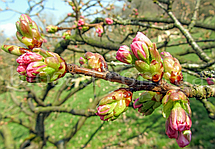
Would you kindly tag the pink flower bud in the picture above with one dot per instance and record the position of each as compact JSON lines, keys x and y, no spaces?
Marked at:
{"x":81,"y":22}
{"x":125,"y":55}
{"x":34,"y":68}
{"x":99,"y":30}
{"x":178,"y":125}
{"x":21,"y":69}
{"x":171,"y":98}
{"x":109,"y":21}
{"x":179,"y":120}
{"x":143,"y":38}
{"x":171,"y":133}
{"x":41,"y":66}
{"x":184,"y":138}
{"x":210,"y":81}
{"x":29,"y":57}
{"x":140,"y":50}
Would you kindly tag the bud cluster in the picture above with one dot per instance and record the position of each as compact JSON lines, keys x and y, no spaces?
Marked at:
{"x":28,"y":32}
{"x":93,"y":61}
{"x":144,"y":56}
{"x":41,"y":66}
{"x":81,"y":24}
{"x":147,"y":60}
{"x":112,"y":105}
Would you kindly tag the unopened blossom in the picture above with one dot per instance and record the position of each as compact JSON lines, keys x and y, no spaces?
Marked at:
{"x":172,"y":68}
{"x":125,"y":55}
{"x":148,"y":102}
{"x":178,"y":125}
{"x":28,"y":32}
{"x":15,"y":50}
{"x":171,"y":98}
{"x":108,"y":21}
{"x":148,"y":61}
{"x":93,"y":61}
{"x":179,"y":119}
{"x":52,"y":29}
{"x":210,"y":81}
{"x":41,"y":66}
{"x":143,"y":38}
{"x":140,"y":50}
{"x":184,"y":138}
{"x":99,"y":30}
{"x":81,"y":22}
{"x":115,"y":103}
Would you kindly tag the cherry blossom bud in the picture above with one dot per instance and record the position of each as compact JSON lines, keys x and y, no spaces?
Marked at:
{"x":112,"y":105}
{"x":41,"y":66}
{"x":148,"y":102}
{"x":28,"y":32}
{"x":178,"y":125}
{"x":93,"y":61}
{"x":66,"y":35}
{"x":125,"y":55}
{"x":81,"y":22}
{"x":210,"y":81}
{"x":109,"y":21}
{"x":143,"y":38}
{"x":21,"y":69}
{"x":171,"y":133}
{"x":99,"y":30}
{"x":140,"y":50}
{"x":29,"y":57}
{"x":171,"y":98}
{"x":15,"y":50}
{"x":172,"y":68}
{"x":152,"y":71}
{"x":184,"y":138}
{"x":179,"y":119}
{"x":52,"y":29}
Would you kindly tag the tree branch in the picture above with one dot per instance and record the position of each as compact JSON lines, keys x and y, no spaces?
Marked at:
{"x":202,"y":55}
{"x":87,"y":112}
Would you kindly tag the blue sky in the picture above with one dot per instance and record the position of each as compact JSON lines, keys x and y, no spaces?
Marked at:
{"x":8,"y":18}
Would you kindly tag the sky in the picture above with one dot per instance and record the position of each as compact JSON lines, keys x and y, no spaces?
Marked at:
{"x":9,"y":18}
{"x":57,"y":7}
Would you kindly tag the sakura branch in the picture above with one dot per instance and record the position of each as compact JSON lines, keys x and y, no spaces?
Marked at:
{"x":164,"y":84}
